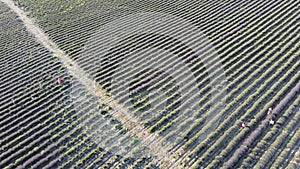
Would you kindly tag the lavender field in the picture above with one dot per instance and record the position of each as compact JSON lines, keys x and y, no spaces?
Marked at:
{"x":150,"y":84}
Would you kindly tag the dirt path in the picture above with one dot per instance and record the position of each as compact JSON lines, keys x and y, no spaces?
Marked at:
{"x":119,"y":112}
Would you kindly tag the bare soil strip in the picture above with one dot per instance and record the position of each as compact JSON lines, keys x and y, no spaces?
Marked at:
{"x":119,"y":112}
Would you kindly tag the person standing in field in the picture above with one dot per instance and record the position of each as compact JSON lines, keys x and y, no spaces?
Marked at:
{"x":59,"y":80}
{"x":244,"y":125}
